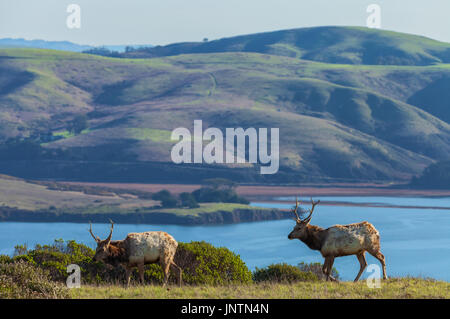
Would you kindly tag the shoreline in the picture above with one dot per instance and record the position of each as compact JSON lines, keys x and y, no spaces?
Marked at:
{"x":256,"y":194}
{"x":219,"y":217}
{"x":351,"y":204}
{"x":257,"y":191}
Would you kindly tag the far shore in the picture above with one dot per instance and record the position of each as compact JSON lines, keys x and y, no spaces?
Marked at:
{"x":381,"y":205}
{"x":261,"y":192}
{"x":271,"y":194}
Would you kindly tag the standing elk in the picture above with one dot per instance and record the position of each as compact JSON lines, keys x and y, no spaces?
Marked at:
{"x":137,"y":250}
{"x":339,"y":240}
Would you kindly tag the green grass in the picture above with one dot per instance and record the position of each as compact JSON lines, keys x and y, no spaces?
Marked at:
{"x":402,"y":288}
{"x":67,"y":134}
{"x":154,"y":135}
{"x":207,"y":208}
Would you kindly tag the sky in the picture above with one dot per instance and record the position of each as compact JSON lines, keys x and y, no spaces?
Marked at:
{"x":159,"y":22}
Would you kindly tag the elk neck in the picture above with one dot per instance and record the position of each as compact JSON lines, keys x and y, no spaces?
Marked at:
{"x":314,"y":237}
{"x":117,"y":252}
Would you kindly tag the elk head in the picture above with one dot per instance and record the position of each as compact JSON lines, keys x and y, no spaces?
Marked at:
{"x":300,"y":227}
{"x":102,"y":251}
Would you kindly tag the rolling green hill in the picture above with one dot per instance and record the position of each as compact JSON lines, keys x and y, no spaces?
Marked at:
{"x":375,"y":108}
{"x":345,"y":45}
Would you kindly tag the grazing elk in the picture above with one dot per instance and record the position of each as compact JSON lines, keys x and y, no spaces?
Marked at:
{"x":339,"y":240}
{"x":137,"y":250}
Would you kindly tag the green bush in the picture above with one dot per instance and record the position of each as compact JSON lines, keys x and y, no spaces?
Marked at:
{"x":282,"y":273}
{"x":55,"y":258}
{"x":5,"y":259}
{"x":22,"y":280}
{"x":202,"y":263}
{"x":166,"y":198}
{"x":188,"y":200}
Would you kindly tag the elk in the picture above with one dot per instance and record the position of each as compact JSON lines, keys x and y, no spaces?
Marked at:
{"x":137,"y":250}
{"x":338,"y":241}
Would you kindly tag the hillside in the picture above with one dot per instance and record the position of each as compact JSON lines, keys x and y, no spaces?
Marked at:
{"x":344,"y":45}
{"x":435,"y":176}
{"x":338,"y":122}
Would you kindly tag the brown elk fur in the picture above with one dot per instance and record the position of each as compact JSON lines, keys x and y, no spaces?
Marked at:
{"x":137,"y":250}
{"x":339,"y":240}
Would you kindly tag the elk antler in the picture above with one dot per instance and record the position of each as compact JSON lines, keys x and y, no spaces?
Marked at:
{"x":295,"y":209}
{"x":93,"y":236}
{"x":110,"y":234}
{"x":313,"y":203}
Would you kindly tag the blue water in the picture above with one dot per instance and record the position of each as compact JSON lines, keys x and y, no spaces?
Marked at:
{"x":415,"y":242}
{"x":377,"y":200}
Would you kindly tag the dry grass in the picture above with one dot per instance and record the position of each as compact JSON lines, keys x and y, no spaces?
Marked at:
{"x":402,"y":288}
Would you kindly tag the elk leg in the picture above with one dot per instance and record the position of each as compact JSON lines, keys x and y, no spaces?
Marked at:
{"x":378,"y":255}
{"x":330,"y":269}
{"x":324,"y":268}
{"x":141,"y":272}
{"x":165,"y":265}
{"x":128,"y":275}
{"x":363,"y":263}
{"x":180,"y":272}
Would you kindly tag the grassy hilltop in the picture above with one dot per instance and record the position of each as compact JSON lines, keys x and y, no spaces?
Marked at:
{"x":351,"y":104}
{"x":344,"y":45}
{"x":398,"y":288}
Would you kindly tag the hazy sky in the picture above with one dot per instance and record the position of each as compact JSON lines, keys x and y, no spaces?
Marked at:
{"x":168,"y":21}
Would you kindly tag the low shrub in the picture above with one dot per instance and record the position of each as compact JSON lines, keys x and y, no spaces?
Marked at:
{"x":166,"y":198}
{"x":282,"y":273}
{"x":5,"y":259}
{"x":55,"y":258}
{"x":21,"y":279}
{"x":202,"y":263}
{"x":188,"y":200}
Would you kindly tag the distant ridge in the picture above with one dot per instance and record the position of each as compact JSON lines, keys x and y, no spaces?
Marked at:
{"x":59,"y":45}
{"x":343,"y":45}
